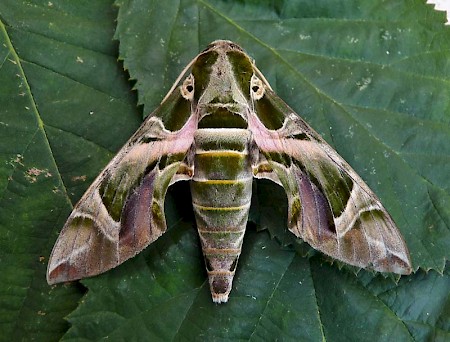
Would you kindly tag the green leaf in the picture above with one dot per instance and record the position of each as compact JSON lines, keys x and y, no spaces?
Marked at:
{"x":371,"y":76}
{"x":65,"y":108}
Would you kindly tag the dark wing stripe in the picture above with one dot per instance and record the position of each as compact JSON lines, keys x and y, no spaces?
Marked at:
{"x":136,"y":229}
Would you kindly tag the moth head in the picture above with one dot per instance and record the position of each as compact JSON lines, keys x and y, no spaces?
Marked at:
{"x":187,"y":88}
{"x":223,"y":45}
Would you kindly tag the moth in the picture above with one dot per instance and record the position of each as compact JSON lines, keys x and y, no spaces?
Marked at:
{"x":219,"y":127}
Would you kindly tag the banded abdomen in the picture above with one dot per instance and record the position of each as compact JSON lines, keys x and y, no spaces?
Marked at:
{"x":221,"y":190}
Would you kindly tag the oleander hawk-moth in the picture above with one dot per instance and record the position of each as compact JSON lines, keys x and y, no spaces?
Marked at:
{"x":220,"y":126}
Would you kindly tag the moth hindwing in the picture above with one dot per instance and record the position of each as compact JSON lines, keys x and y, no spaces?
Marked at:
{"x":219,"y":129}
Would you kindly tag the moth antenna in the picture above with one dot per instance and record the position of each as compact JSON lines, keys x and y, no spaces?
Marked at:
{"x":261,"y":76}
{"x":187,"y":67}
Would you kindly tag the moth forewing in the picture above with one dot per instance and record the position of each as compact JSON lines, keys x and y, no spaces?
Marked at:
{"x":330,"y":206}
{"x":122,"y":212}
{"x":219,"y":129}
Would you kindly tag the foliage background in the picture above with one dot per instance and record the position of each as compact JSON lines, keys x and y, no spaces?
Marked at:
{"x":371,"y":77}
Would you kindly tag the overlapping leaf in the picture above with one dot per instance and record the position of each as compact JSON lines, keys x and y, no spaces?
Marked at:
{"x":371,"y":77}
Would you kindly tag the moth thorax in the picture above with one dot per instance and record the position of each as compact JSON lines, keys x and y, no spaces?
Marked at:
{"x":221,"y":194}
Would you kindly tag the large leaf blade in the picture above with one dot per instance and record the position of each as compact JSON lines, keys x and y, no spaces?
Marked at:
{"x":329,"y":62}
{"x":49,"y":155}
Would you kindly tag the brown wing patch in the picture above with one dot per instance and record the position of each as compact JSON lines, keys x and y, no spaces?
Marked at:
{"x":79,"y":249}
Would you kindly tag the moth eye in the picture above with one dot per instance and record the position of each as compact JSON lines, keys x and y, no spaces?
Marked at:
{"x":187,"y":88}
{"x":257,"y":88}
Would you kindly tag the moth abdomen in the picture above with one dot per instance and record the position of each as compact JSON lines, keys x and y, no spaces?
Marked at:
{"x":221,"y":190}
